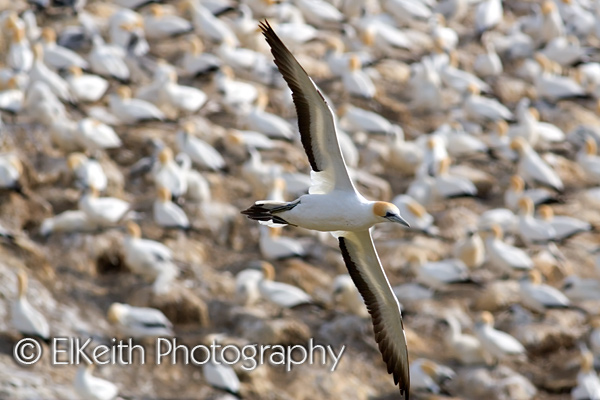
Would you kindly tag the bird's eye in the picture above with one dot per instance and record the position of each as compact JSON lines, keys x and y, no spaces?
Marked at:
{"x":389,"y":214}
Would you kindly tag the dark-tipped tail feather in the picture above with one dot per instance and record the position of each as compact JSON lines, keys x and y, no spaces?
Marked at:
{"x":266,"y":211}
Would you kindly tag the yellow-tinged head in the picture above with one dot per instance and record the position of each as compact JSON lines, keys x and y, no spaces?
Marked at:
{"x":591,"y":148}
{"x":75,"y":70}
{"x":124,"y":92}
{"x":444,"y":166}
{"x":196,"y":45}
{"x":38,"y":51}
{"x":502,"y":127}
{"x":235,"y":138}
{"x":546,"y":212}
{"x":49,"y":35}
{"x":342,"y":110}
{"x":486,"y":318}
{"x":416,"y":208}
{"x":368,"y":37}
{"x":164,"y":194}
{"x":11,"y":21}
{"x":473,"y":89}
{"x":93,"y":191}
{"x":517,"y":184}
{"x":22,"y":283}
{"x":189,"y":127}
{"x":548,"y":7}
{"x":268,"y":270}
{"x":526,"y":205}
{"x":75,"y":160}
{"x":274,"y":232}
{"x":587,"y":361}
{"x":354,"y":63}
{"x":227,"y":71}
{"x":429,"y":368}
{"x":595,"y":323}
{"x":157,"y":10}
{"x":115,"y":311}
{"x":497,"y":231}
{"x":165,"y":156}
{"x":16,"y":164}
{"x":518,"y":144}
{"x":279,"y":184}
{"x":534,"y":113}
{"x":535,"y":277}
{"x":134,"y":230}
{"x":389,"y":212}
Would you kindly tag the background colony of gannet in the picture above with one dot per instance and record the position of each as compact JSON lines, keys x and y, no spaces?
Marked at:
{"x":132,"y":134}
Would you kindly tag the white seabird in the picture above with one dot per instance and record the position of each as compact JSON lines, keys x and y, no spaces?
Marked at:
{"x":140,"y":322}
{"x":25,"y":318}
{"x":90,"y":387}
{"x":333,"y":204}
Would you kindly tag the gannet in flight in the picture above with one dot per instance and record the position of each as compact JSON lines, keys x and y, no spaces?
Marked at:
{"x":334,"y":205}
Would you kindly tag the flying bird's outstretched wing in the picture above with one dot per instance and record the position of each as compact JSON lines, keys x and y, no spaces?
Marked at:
{"x":368,"y":276}
{"x":315,"y":121}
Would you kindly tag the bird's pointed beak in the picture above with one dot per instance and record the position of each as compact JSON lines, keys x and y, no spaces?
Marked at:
{"x":398,"y":219}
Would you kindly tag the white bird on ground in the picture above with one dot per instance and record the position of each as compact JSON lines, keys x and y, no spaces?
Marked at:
{"x":270,"y":124}
{"x":88,"y":172}
{"x":125,"y":27}
{"x":279,"y":293}
{"x":502,"y":217}
{"x":356,"y":81}
{"x":221,"y":375}
{"x":246,"y":286}
{"x":437,"y":274}
{"x":148,"y":258}
{"x":347,"y":296}
{"x":59,"y":57}
{"x":108,"y":60}
{"x":531,"y":229}
{"x":139,"y":322}
{"x":207,"y":25}
{"x":93,"y":388}
{"x":480,"y":108}
{"x":11,"y":169}
{"x":319,"y":12}
{"x":198,"y":150}
{"x":589,"y":160}
{"x":168,"y":174}
{"x":552,"y":86}
{"x":196,"y":61}
{"x":588,"y":383}
{"x":159,"y":25}
{"x":581,"y":289}
{"x":11,"y":97}
{"x":354,"y":119}
{"x":40,"y":72}
{"x":532,"y":168}
{"x":26,"y":319}
{"x":539,"y":296}
{"x":499,"y":344}
{"x":103,"y":211}
{"x":173,"y":96}
{"x":428,"y":375}
{"x":516,"y":191}
{"x":198,"y":188}
{"x":86,"y":87}
{"x":274,"y":246}
{"x":20,"y":55}
{"x":67,"y":222}
{"x":415,"y":214}
{"x":564,"y":226}
{"x":470,"y":250}
{"x":488,"y":64}
{"x":502,"y":255}
{"x":448,"y":185}
{"x":168,"y":214}
{"x":132,"y":111}
{"x":94,"y":135}
{"x":489,"y":13}
{"x":333,"y":204}
{"x":465,"y":348}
